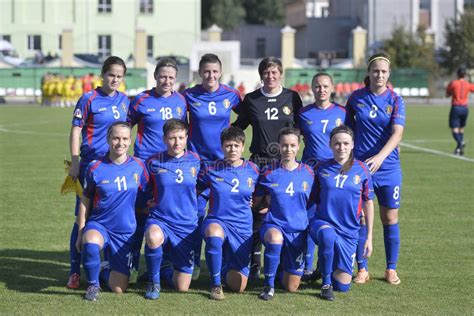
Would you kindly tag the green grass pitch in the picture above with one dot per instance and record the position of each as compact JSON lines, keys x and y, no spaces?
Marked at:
{"x":437,"y":219}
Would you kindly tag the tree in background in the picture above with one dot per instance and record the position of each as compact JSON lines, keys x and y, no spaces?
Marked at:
{"x":459,"y":42}
{"x":230,"y":13}
{"x":225,"y":13}
{"x":268,"y":12}
{"x":409,"y":50}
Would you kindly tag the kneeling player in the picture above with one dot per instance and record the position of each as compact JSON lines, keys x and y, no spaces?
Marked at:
{"x":106,"y":215}
{"x":227,"y":228}
{"x":172,"y":223}
{"x":284,"y":228}
{"x":342,"y":187}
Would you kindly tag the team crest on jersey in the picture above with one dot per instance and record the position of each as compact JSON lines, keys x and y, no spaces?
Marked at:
{"x":78,"y":114}
{"x":274,"y":184}
{"x":360,"y":105}
{"x":286,"y":109}
{"x":161,"y":170}
{"x":305,"y":186}
{"x":249,"y":182}
{"x":226,"y":103}
{"x":151,"y":110}
{"x":105,"y":181}
{"x":338,"y":122}
{"x":219,"y":179}
{"x":389,"y":109}
{"x":196,"y":104}
{"x":193,"y":172}
{"x":179,"y":110}
{"x":325,"y":175}
{"x":124,"y":107}
{"x":135,"y":177}
{"x":309,"y":122}
{"x":356,"y":179}
{"x":102,"y":109}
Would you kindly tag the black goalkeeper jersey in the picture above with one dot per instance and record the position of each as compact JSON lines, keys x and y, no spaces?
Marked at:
{"x":268,"y":114}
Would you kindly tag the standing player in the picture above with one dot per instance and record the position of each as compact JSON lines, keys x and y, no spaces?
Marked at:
{"x":268,"y":109}
{"x":106,"y":216}
{"x":172,"y":223}
{"x":227,"y":228}
{"x":459,"y":90}
{"x":377,"y":114}
{"x":209,"y":105}
{"x":149,"y":111}
{"x":94,"y":113}
{"x":342,"y":186}
{"x":283,"y":232}
{"x":316,"y":121}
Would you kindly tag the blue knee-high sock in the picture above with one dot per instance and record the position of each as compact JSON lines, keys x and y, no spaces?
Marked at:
{"x":138,"y":241}
{"x":104,"y":276}
{"x":91,"y":262}
{"x":326,"y":239}
{"x":167,"y":275}
{"x":361,"y":261}
{"x":74,"y":255}
{"x":310,"y":247}
{"x":458,"y":138}
{"x":153,"y":257}
{"x":214,"y":258}
{"x":340,"y":287}
{"x":391,"y":236}
{"x":271,"y":259}
{"x":461,"y":138}
{"x":198,"y":248}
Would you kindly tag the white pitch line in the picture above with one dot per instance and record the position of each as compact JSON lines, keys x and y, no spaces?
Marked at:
{"x":436,"y":152}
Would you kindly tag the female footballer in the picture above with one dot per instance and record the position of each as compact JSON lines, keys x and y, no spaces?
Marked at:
{"x":377,"y":115}
{"x":209,"y":105}
{"x":316,"y":121}
{"x":342,"y":187}
{"x":268,"y":109}
{"x":283,"y":232}
{"x":106,"y":218}
{"x":149,"y":111}
{"x":227,"y":228}
{"x":94,"y":113}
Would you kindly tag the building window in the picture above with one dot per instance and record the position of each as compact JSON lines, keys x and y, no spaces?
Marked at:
{"x":60,"y":41}
{"x":104,"y":6}
{"x":34,"y":42}
{"x":104,"y":46}
{"x":261,"y":47}
{"x":146,"y":6}
{"x":6,"y":38}
{"x":149,"y":45}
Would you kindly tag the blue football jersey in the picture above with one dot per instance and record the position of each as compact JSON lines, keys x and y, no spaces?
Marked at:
{"x":231,"y":189}
{"x":316,"y":125}
{"x":149,"y":111}
{"x":113,"y":191}
{"x":94,"y":113}
{"x":209,"y":114}
{"x":290,"y":192}
{"x":173,"y":184}
{"x":374,"y":116}
{"x":339,"y":196}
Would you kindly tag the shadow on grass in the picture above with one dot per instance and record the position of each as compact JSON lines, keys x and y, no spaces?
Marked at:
{"x":33,"y":271}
